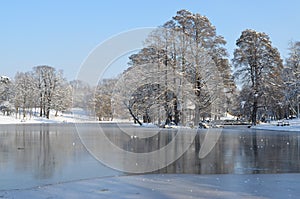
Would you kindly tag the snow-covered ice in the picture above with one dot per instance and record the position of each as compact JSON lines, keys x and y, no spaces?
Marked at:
{"x":256,"y":186}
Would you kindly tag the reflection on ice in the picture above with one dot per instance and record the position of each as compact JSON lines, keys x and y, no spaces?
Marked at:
{"x":31,"y":155}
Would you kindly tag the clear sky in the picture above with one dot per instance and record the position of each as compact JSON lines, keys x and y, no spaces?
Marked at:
{"x":61,"y":33}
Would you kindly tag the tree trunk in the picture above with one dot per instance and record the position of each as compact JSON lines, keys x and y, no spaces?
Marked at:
{"x":48,"y":114}
{"x":134,"y":117}
{"x":24,"y":112}
{"x":176,"y":112}
{"x":254,"y":112}
{"x":197,"y":114}
{"x":41,"y":105}
{"x":17,"y":110}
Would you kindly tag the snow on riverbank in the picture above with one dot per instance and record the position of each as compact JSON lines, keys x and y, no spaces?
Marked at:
{"x":77,"y":115}
{"x":258,"y":186}
{"x":294,"y":126}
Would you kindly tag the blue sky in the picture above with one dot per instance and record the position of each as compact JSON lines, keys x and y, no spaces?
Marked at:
{"x":63,"y":33}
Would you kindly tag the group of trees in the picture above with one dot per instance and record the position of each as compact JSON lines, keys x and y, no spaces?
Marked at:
{"x":37,"y":91}
{"x":270,"y":86}
{"x":182,"y":74}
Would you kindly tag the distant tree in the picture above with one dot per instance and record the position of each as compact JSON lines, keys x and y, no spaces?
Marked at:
{"x":62,"y":97}
{"x":25,"y":92}
{"x":258,"y":66}
{"x":103,"y":100}
{"x":6,"y":95}
{"x":46,"y":79}
{"x":5,"y":88}
{"x":82,"y":95}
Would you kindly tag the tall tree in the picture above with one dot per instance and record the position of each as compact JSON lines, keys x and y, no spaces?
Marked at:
{"x":25,"y":92}
{"x":82,"y":94}
{"x":102,"y":100}
{"x":6,"y":95}
{"x":258,"y":65}
{"x":191,"y":47}
{"x":62,"y":96}
{"x":46,"y":79}
{"x":292,"y":77}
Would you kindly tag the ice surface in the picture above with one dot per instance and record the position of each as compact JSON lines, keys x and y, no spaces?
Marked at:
{"x":171,"y":186}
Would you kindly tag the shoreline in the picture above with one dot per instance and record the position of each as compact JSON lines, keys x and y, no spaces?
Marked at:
{"x":82,"y":119}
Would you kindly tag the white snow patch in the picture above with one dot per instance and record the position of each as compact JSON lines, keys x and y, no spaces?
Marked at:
{"x":75,"y":115}
{"x":294,"y":126}
{"x":71,"y":117}
{"x":228,"y":116}
{"x":146,"y":125}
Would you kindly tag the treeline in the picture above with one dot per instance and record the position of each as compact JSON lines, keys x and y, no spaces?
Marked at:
{"x":182,"y":75}
{"x":37,"y":91}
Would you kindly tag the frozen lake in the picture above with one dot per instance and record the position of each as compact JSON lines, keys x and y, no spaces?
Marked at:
{"x":41,"y":154}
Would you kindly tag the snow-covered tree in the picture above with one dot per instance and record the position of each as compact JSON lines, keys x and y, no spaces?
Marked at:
{"x":103,"y":100}
{"x":189,"y":46}
{"x":292,"y":77}
{"x":6,"y":95}
{"x":62,"y":97}
{"x":83,"y":95}
{"x":46,"y":80}
{"x":258,"y":66}
{"x":25,"y":93}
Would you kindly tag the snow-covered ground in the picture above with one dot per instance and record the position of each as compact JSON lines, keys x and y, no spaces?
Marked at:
{"x":255,"y":186}
{"x":76,"y":115}
{"x":146,"y":125}
{"x":294,"y":125}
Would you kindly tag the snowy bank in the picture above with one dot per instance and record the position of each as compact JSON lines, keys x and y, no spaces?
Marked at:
{"x":76,"y":115}
{"x":146,"y":125}
{"x":255,"y":186}
{"x":64,"y":118}
{"x":293,"y":126}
